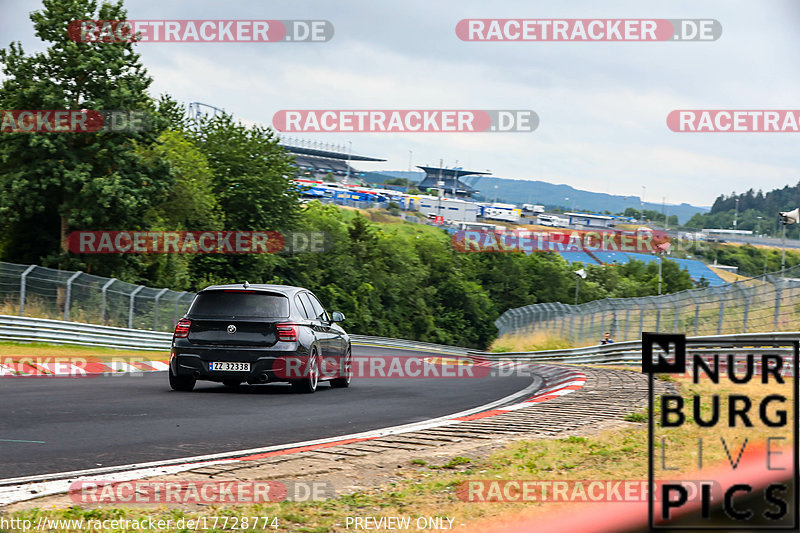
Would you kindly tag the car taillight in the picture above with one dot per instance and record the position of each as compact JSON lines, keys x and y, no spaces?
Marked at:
{"x":182,"y":328}
{"x":287,"y":332}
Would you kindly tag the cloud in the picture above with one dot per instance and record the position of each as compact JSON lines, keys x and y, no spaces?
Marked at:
{"x":603,"y":106}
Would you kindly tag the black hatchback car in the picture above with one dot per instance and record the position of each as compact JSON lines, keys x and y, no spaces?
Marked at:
{"x":259,"y":334}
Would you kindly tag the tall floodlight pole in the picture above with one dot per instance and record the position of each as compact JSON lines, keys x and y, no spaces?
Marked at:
{"x":581,"y":274}
{"x":787,"y":217}
{"x":440,"y":184}
{"x":455,"y":178}
{"x":644,"y":188}
{"x":660,"y":260}
{"x":736,"y":214}
{"x":783,"y":247}
{"x":759,"y":231}
{"x":349,"y":153}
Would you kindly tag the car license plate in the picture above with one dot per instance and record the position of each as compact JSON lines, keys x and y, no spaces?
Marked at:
{"x":226,"y":366}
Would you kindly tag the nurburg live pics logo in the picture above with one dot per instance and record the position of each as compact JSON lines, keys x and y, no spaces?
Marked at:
{"x":757,"y":489}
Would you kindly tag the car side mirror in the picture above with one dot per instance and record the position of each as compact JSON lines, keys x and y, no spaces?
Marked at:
{"x":336,"y":316}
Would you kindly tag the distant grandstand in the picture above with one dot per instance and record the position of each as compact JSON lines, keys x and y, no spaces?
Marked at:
{"x":317,"y":160}
{"x":449,"y":178}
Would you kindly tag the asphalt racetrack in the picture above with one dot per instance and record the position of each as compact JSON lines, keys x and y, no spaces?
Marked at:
{"x":50,"y":425}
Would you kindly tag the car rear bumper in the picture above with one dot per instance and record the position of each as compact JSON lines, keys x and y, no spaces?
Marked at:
{"x":266,"y":365}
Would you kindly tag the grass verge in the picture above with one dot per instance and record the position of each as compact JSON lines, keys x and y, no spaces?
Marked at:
{"x":11,"y":350}
{"x":529,"y":342}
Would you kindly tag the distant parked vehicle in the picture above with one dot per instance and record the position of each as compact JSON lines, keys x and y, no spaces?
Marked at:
{"x":258,"y":334}
{"x":504,"y":212}
{"x":552,"y":221}
{"x":531,"y":208}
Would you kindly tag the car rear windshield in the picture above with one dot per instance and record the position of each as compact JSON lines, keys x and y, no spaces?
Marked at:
{"x":231,"y":304}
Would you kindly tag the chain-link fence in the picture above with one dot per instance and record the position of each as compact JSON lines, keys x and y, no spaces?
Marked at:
{"x":761,"y":304}
{"x":30,"y":290}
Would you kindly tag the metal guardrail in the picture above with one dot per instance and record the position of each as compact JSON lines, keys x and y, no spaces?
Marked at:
{"x":411,"y":345}
{"x":26,"y":329}
{"x":630,"y":352}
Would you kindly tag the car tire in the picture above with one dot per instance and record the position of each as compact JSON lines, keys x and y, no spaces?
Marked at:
{"x":181,"y":383}
{"x":309,"y":384}
{"x":344,"y":382}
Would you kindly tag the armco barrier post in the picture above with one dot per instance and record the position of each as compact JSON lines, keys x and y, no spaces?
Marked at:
{"x":658,"y":315}
{"x":696,"y":312}
{"x":155,"y":308}
{"x":103,"y":291}
{"x":572,"y":314}
{"x":68,"y":296}
{"x":590,"y":319}
{"x":641,"y":319}
{"x":746,"y":305}
{"x":175,"y":312}
{"x":178,"y":299}
{"x":627,"y":319}
{"x":130,"y":306}
{"x":677,"y":326}
{"x":778,"y":290}
{"x":22,"y":289}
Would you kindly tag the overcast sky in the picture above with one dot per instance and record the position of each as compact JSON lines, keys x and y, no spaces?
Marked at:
{"x":602,"y":105}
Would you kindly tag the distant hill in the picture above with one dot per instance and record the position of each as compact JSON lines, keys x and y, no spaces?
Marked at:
{"x":551,"y":195}
{"x":751,"y":210}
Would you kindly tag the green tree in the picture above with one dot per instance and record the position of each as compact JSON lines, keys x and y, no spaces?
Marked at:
{"x":173,"y":113}
{"x":252,"y":174}
{"x":252,"y":181}
{"x":53,"y":183}
{"x":190,"y":203}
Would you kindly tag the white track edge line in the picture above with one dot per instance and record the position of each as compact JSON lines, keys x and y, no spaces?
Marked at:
{"x":13,"y":490}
